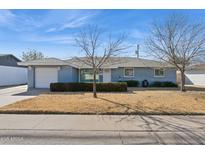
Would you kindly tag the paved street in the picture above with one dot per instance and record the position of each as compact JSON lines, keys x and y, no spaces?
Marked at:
{"x":92,"y":129}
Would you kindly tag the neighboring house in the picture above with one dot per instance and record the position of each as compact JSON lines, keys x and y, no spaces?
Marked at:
{"x":43,"y":72}
{"x":9,"y":60}
{"x":195,"y":75}
{"x":10,"y":72}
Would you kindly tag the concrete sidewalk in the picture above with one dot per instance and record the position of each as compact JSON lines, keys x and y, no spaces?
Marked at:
{"x":102,"y":129}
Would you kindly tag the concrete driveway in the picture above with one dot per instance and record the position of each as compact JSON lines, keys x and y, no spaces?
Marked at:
{"x":10,"y":95}
{"x":101,"y":129}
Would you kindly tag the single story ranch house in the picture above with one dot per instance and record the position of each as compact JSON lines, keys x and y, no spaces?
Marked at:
{"x":45,"y":71}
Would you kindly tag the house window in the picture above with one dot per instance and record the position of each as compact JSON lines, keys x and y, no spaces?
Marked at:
{"x":129,"y":72}
{"x":159,"y":72}
{"x":86,"y":75}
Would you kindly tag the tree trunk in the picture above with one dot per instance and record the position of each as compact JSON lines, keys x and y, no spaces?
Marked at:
{"x":182,"y":88}
{"x":94,"y":85}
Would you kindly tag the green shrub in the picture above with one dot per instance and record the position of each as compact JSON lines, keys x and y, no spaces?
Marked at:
{"x":101,"y":87}
{"x":163,"y":84}
{"x":131,"y":83}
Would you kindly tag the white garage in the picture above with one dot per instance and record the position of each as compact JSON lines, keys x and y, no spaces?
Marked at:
{"x":196,"y":76}
{"x":42,"y":72}
{"x":45,"y":75}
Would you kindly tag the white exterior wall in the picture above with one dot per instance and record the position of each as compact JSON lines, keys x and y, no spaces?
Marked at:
{"x":12,"y":75}
{"x":195,"y":77}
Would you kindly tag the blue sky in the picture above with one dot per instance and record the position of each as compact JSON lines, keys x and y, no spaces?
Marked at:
{"x":52,"y":31}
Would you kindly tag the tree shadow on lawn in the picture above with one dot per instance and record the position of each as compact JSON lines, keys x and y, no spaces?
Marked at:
{"x":133,"y":110}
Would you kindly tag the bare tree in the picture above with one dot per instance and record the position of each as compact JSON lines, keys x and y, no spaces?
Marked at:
{"x":32,"y":55}
{"x":178,"y":42}
{"x":96,"y":53}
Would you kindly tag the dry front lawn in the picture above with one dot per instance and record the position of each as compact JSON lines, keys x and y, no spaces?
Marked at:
{"x":136,"y":102}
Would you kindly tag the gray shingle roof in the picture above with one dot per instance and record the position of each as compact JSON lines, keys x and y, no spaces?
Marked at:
{"x":113,"y":62}
{"x":197,"y":67}
{"x":44,"y":62}
{"x":3,"y":55}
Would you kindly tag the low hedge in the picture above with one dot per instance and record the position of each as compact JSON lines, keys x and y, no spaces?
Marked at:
{"x":101,"y":87}
{"x":131,"y":83}
{"x":163,"y":84}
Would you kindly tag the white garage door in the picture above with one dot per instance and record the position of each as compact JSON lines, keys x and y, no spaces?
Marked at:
{"x":195,"y":78}
{"x":44,"y":76}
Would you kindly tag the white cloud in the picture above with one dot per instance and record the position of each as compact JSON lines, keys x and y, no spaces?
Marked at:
{"x":73,"y":19}
{"x":6,"y":16}
{"x":50,"y":30}
{"x":52,"y":39}
{"x":17,"y":22}
{"x":51,"y":20}
{"x":138,"y":34}
{"x":76,"y":23}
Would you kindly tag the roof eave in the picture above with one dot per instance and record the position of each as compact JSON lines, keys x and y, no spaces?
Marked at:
{"x":31,"y":64}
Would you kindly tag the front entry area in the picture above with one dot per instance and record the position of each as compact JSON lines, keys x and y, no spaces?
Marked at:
{"x":44,"y":76}
{"x":106,"y":75}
